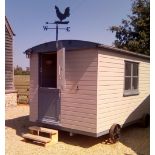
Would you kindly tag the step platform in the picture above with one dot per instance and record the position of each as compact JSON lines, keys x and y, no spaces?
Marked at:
{"x":35,"y":136}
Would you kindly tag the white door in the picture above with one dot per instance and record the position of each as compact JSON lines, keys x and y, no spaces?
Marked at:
{"x":61,"y":82}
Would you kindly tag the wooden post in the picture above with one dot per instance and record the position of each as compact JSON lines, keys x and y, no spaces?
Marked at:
{"x":57,"y":36}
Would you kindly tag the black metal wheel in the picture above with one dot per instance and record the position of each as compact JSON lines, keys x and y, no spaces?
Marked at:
{"x":114,"y":132}
{"x":145,"y":121}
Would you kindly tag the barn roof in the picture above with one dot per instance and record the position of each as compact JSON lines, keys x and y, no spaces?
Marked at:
{"x":8,"y":27}
{"x":78,"y":45}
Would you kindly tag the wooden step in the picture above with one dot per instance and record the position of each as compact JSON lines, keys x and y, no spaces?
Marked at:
{"x":52,"y":134}
{"x":45,"y":130}
{"x":41,"y":139}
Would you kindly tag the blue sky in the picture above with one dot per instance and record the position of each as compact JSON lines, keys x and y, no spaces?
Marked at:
{"x":89,"y":20}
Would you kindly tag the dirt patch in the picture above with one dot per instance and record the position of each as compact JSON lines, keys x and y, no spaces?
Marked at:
{"x":134,"y":140}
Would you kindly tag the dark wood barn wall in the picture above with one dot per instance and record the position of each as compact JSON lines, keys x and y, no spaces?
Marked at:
{"x":8,"y":61}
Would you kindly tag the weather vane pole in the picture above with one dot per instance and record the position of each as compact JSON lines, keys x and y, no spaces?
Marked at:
{"x":61,"y":17}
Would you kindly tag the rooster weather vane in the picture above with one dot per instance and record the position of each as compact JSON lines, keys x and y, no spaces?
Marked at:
{"x":62,"y":17}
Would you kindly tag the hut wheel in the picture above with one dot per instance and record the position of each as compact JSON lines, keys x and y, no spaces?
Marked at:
{"x":145,"y":121}
{"x":114,"y":132}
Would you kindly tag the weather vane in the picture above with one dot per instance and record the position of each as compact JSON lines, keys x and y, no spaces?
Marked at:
{"x":61,"y":17}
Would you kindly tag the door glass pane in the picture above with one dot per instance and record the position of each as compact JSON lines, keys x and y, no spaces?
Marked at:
{"x":135,"y":69}
{"x":127,"y":83}
{"x":48,"y":71}
{"x":135,"y":83}
{"x":127,"y":69}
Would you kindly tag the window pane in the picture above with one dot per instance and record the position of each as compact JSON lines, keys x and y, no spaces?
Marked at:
{"x":135,"y":83}
{"x":127,"y":83}
{"x":135,"y":69}
{"x":127,"y":69}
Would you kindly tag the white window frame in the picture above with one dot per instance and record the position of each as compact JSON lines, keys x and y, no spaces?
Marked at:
{"x":131,"y":91}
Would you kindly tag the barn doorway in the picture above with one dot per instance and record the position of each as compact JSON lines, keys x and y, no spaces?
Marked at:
{"x":48,"y":94}
{"x":48,"y":70}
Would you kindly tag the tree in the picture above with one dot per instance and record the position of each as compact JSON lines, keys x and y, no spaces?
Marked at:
{"x":19,"y":71}
{"x":134,"y":33}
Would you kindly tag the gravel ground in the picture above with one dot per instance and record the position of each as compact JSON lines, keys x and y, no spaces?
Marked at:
{"x":134,"y":140}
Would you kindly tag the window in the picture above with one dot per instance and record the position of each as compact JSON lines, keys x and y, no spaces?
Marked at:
{"x":131,"y":78}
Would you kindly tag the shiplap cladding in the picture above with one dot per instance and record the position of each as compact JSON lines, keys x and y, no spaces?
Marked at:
{"x":8,"y":59}
{"x":112,"y":106}
{"x":79,"y":98}
{"x":34,"y":61}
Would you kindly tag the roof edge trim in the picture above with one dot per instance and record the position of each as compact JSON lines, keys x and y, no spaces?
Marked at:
{"x":124,"y":51}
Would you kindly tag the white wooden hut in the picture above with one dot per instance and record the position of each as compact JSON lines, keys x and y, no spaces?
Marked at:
{"x":87,"y":87}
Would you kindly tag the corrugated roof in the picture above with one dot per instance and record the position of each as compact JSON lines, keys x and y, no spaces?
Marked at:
{"x":78,"y":45}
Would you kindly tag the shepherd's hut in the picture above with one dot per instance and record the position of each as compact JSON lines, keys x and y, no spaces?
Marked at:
{"x":86,"y":87}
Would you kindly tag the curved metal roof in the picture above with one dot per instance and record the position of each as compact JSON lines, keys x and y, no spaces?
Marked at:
{"x":77,"y":45}
{"x":67,"y":44}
